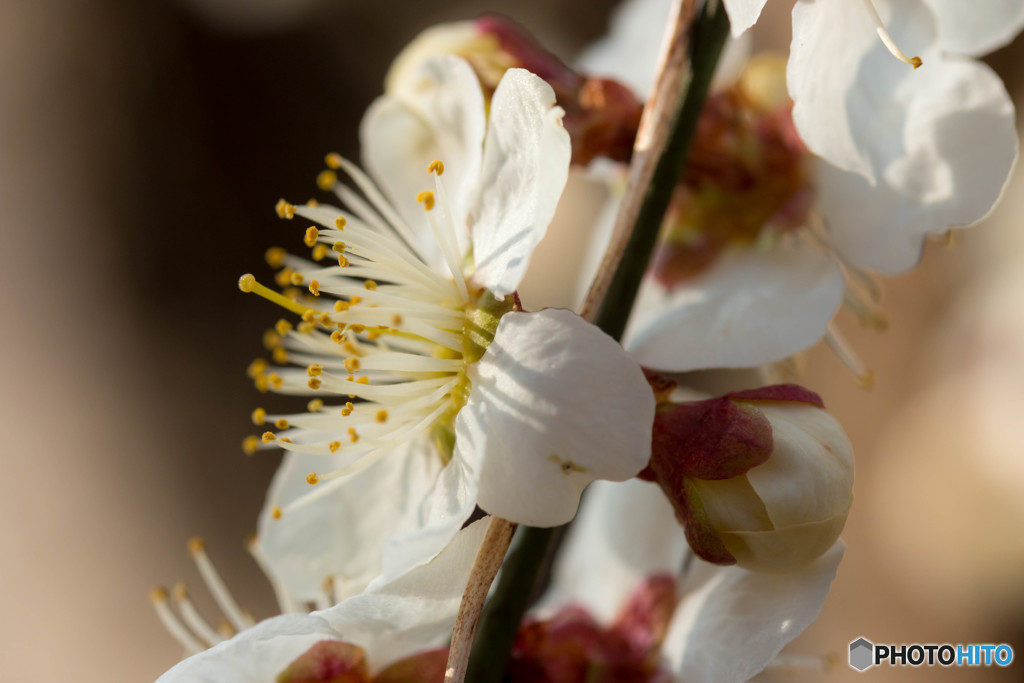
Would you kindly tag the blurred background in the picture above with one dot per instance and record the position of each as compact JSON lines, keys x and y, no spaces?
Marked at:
{"x":142,"y":148}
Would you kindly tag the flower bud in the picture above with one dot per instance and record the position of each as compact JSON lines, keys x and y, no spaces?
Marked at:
{"x":760,"y":478}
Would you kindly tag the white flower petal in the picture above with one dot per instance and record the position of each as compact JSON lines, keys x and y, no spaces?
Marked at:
{"x":956,"y":156}
{"x":743,"y":14}
{"x":359,"y":510}
{"x":966,"y":28}
{"x":440,"y":115}
{"x":731,"y":627}
{"x":624,"y":533}
{"x":555,"y":404}
{"x":399,"y":616}
{"x":440,"y":514}
{"x":751,"y":307}
{"x":256,"y":655}
{"x":525,"y":167}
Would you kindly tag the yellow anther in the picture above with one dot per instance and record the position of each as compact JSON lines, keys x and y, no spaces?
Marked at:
{"x":381,"y":416}
{"x":314,"y":288}
{"x":281,"y":423}
{"x":326,"y":179}
{"x":256,"y":368}
{"x":363,"y":380}
{"x":370,"y":285}
{"x":275,"y":512}
{"x":280,"y":355}
{"x":352,"y":435}
{"x":271,"y":340}
{"x":283,"y":277}
{"x":283,"y":327}
{"x":284,"y":209}
{"x":268,"y":437}
{"x":247,"y":283}
{"x":296,"y":278}
{"x":275,"y":257}
{"x":426,"y":198}
{"x":340,"y":222}
{"x":325,"y":319}
{"x":373,"y":334}
{"x":357,"y":328}
{"x":334,"y":446}
{"x":306,"y":328}
{"x":339,"y":247}
{"x":351,"y":364}
{"x":319,"y":252}
{"x":315,"y":370}
{"x":337,"y":337}
{"x":345,"y":412}
{"x":312,"y":478}
{"x":342,"y":261}
{"x":333,"y":160}
{"x":311,"y":235}
{"x":350,"y":378}
{"x":196,"y":546}
{"x":355,"y":300}
{"x":291,"y":293}
{"x":351,"y":348}
{"x":314,"y":383}
{"x":396,"y":320}
{"x":312,"y":202}
{"x":158,"y":594}
{"x":340,"y":306}
{"x":249,"y":444}
{"x":276,"y":380}
{"x":436,"y":166}
{"x":261,"y":384}
{"x":350,"y":405}
{"x":259,"y":416}
{"x":315,"y":406}
{"x":179,"y":592}
{"x":309,"y":316}
{"x":866,"y":380}
{"x":285,"y":439}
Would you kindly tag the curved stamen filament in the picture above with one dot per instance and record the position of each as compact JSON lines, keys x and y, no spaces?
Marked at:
{"x":887,"y":40}
{"x":216,"y":586}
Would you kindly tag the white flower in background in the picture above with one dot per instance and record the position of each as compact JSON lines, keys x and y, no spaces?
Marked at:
{"x":901,"y":153}
{"x":413,"y":347}
{"x":730,"y":623}
{"x":360,"y":636}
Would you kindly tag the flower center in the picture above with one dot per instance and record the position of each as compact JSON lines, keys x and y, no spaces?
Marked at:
{"x":387,"y":332}
{"x":746,"y":178}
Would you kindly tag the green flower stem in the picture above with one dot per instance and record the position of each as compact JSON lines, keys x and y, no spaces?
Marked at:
{"x":660,"y":168}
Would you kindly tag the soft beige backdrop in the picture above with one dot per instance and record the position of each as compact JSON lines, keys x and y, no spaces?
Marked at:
{"x":142,"y":146}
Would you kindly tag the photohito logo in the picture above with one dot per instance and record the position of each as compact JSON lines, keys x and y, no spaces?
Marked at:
{"x":864,"y":654}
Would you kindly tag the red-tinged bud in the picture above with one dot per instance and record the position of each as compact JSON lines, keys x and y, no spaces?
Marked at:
{"x":329,"y":661}
{"x":762,"y":478}
{"x":424,"y":667}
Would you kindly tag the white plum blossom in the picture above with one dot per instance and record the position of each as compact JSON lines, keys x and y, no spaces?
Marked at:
{"x":391,"y":620}
{"x":730,"y":624}
{"x":892,"y":154}
{"x":432,"y":388}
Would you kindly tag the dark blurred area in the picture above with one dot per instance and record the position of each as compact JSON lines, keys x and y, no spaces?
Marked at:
{"x":143,"y":147}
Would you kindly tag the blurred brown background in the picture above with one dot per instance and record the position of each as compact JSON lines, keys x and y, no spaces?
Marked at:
{"x":142,"y":148}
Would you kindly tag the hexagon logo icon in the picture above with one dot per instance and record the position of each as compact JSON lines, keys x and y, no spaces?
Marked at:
{"x":862,"y":653}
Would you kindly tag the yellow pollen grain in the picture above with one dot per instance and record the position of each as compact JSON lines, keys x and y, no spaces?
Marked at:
{"x":311,"y":236}
{"x":196,"y":546}
{"x":370,"y":285}
{"x":283,"y":277}
{"x":285,"y":439}
{"x":357,"y":328}
{"x":283,"y":327}
{"x":334,"y":446}
{"x":351,"y":364}
{"x":158,"y":594}
{"x":356,"y":299}
{"x":373,"y":334}
{"x":271,"y":339}
{"x":325,"y":319}
{"x":259,"y":416}
{"x":396,"y":320}
{"x":363,"y":380}
{"x":256,"y":368}
{"x":312,"y":202}
{"x":333,"y":160}
{"x":381,"y":416}
{"x":284,"y":209}
{"x":281,"y":423}
{"x":350,"y":405}
{"x":261,"y":384}
{"x":249,"y":444}
{"x":314,"y":383}
{"x":436,"y":166}
{"x":309,"y":316}
{"x":275,"y":257}
{"x":342,"y":261}
{"x":306,"y":328}
{"x":315,"y":406}
{"x":319,"y":252}
{"x":312,"y":478}
{"x":296,"y":278}
{"x":340,"y":222}
{"x":350,"y":378}
{"x":276,"y":512}
{"x":340,"y":306}
{"x":337,"y":337}
{"x":276,"y":380}
{"x":426,"y":198}
{"x":352,"y":435}
{"x":280,"y":355}
{"x":339,"y":247}
{"x":268,"y":437}
{"x":326,"y":179}
{"x":345,"y":412}
{"x":314,"y":287}
{"x":315,"y":370}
